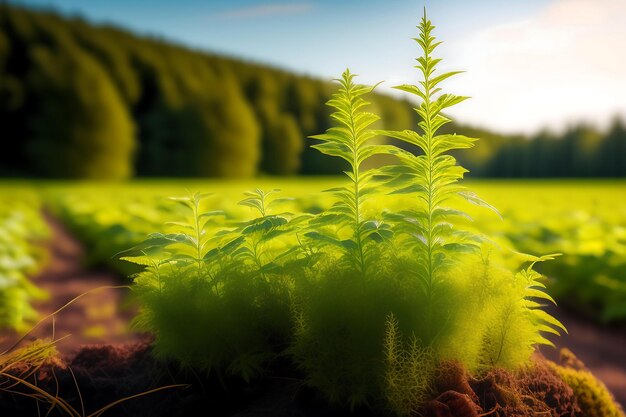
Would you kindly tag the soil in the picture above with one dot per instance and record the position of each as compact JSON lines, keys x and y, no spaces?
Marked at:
{"x":110,"y":362}
{"x":101,"y":315}
{"x":103,"y":374}
{"x":601,"y":348}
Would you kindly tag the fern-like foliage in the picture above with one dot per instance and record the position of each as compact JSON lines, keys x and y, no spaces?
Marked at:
{"x":433,"y":174}
{"x":519,"y":322}
{"x":185,"y":245}
{"x":351,"y":141}
{"x":408,"y":371}
{"x":206,"y":290}
{"x":219,"y":295}
{"x":434,"y":225}
{"x":535,"y":299}
{"x":255,"y":235}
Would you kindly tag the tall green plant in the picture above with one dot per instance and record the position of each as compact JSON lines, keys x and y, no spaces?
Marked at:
{"x":360,"y":334}
{"x":433,"y":174}
{"x":351,"y":140}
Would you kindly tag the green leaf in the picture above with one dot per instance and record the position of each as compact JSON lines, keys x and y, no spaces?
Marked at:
{"x":442,"y":77}
{"x":252,"y":202}
{"x":264,"y":224}
{"x":542,"y":316}
{"x":323,"y":238}
{"x":474,"y":199}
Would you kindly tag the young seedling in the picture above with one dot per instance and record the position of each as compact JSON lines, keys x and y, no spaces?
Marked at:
{"x":351,"y":141}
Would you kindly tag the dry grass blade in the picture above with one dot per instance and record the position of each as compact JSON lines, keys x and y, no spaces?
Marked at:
{"x":42,"y":395}
{"x":34,"y":355}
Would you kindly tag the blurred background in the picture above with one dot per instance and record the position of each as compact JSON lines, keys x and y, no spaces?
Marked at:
{"x":114,"y":89}
{"x":221,"y":95}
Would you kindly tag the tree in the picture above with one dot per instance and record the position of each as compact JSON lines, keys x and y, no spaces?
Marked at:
{"x":81,"y":128}
{"x":282,"y":146}
{"x":232,"y":144}
{"x":613,"y":150}
{"x":282,"y":141}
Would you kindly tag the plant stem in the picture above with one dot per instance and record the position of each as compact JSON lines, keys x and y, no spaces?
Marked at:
{"x":357,"y":196}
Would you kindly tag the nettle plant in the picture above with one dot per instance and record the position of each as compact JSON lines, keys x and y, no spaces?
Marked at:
{"x":366,"y":302}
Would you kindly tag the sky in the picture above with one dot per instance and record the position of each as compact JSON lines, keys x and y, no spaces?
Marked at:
{"x":530,"y":64}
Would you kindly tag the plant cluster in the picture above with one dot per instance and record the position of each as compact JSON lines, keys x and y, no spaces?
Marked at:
{"x":365,"y":301}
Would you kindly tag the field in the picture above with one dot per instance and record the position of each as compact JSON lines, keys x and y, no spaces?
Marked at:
{"x":583,"y":221}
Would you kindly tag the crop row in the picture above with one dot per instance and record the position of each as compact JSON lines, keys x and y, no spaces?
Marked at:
{"x":586,"y":223}
{"x":22,"y":255}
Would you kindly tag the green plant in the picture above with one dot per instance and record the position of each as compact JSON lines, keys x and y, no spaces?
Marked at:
{"x":432,"y":176}
{"x":457,"y":301}
{"x":408,"y":371}
{"x":208,"y":297}
{"x":351,"y":141}
{"x":367,"y":309}
{"x":592,"y":395}
{"x":22,"y":231}
{"x":340,"y":327}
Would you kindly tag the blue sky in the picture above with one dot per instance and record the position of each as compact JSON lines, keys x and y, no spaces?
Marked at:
{"x":495,"y":40}
{"x":319,"y":37}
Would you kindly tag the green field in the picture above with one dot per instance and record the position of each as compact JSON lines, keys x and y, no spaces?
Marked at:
{"x":583,"y":220}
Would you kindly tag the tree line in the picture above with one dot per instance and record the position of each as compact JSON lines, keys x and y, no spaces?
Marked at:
{"x":79,"y":100}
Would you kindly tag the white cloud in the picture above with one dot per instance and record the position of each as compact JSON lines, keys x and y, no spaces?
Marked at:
{"x":265,"y":10}
{"x":565,"y":64}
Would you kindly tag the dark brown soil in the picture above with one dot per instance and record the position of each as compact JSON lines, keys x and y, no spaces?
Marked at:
{"x":105,"y":374}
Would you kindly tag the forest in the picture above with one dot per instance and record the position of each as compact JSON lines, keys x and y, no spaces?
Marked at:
{"x":79,"y":100}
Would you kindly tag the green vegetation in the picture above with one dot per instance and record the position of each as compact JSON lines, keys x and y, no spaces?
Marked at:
{"x":372,"y":288}
{"x":231,"y":296}
{"x":592,"y":396}
{"x":106,"y":103}
{"x":585,"y":221}
{"x":350,"y":141}
{"x":432,"y":176}
{"x":225,"y":280}
{"x":22,"y":230}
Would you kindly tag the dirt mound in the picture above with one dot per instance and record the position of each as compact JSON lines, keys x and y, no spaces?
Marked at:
{"x":535,"y":391}
{"x":545,"y":388}
{"x":100,"y":375}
